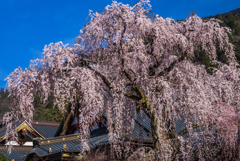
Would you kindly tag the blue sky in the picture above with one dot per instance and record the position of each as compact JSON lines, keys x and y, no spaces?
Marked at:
{"x":27,"y":25}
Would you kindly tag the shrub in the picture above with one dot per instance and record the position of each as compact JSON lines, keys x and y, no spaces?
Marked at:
{"x":3,"y":157}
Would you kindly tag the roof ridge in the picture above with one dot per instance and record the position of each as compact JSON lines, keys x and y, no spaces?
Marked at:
{"x":46,"y":121}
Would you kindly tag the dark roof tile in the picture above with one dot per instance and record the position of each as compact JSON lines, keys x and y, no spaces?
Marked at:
{"x":46,"y":130}
{"x":17,"y":153}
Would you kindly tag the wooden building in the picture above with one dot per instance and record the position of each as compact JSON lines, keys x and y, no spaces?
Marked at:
{"x":26,"y":132}
{"x":66,"y":144}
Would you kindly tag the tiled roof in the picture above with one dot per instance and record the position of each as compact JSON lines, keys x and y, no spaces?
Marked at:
{"x":143,"y":119}
{"x":17,"y":153}
{"x":58,"y":146}
{"x":93,"y":142}
{"x":3,"y":129}
{"x":40,"y":152}
{"x":142,"y":123}
{"x":99,"y":132}
{"x":59,"y":129}
{"x":2,"y":132}
{"x":139,"y":131}
{"x":45,"y":130}
{"x":1,"y":123}
{"x":73,"y":143}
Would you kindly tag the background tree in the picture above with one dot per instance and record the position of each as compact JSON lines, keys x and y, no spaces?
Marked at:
{"x":142,"y":63}
{"x":231,"y":20}
{"x":4,"y":102}
{"x":3,"y":157}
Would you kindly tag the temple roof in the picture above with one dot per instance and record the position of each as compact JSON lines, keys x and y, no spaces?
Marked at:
{"x":36,"y":129}
{"x":17,"y":153}
{"x":73,"y":144}
{"x":3,"y":129}
{"x":47,"y":129}
{"x":43,"y":129}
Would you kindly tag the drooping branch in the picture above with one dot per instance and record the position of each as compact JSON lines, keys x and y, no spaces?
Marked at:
{"x":132,"y":96}
{"x":171,"y":66}
{"x":127,"y":75}
{"x":105,"y":80}
{"x":185,"y":131}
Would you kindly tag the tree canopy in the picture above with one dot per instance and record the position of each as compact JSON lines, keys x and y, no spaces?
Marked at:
{"x":143,"y":63}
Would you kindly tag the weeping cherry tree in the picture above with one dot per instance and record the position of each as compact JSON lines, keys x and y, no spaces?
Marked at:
{"x":146,"y":63}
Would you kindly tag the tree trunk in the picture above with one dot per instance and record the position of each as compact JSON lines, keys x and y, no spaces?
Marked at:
{"x":154,"y":129}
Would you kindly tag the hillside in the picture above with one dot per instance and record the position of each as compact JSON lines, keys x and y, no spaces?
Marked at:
{"x":232,"y":20}
{"x":235,"y":12}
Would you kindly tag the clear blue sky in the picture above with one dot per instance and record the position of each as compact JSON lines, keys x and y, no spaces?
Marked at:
{"x":27,"y":25}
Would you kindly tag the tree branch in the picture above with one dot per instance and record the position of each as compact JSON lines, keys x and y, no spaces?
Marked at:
{"x":184,"y":131}
{"x":105,"y":80}
{"x":130,"y":95}
{"x":168,"y":69}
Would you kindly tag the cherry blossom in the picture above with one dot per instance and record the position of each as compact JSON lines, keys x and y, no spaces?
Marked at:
{"x":142,"y":63}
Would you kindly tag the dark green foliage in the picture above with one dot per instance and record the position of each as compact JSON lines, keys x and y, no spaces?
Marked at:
{"x":221,"y":56}
{"x":37,"y":102}
{"x":203,"y":58}
{"x":4,"y":94}
{"x":58,"y":117}
{"x":5,"y":102}
{"x":219,"y":17}
{"x":43,"y":112}
{"x":3,"y":157}
{"x":231,"y":20}
{"x":47,"y":111}
{"x":231,"y":38}
{"x":237,"y":50}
